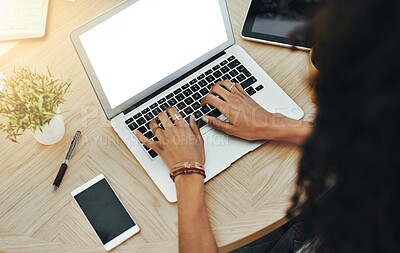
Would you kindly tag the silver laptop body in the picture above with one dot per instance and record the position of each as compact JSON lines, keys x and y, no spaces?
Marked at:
{"x":181,"y":87}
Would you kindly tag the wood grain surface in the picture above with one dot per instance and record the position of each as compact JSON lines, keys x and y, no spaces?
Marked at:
{"x":244,"y":202}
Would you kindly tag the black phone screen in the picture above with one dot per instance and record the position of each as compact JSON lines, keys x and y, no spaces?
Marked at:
{"x":104,"y":211}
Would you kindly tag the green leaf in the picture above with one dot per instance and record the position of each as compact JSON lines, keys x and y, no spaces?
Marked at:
{"x":29,"y":100}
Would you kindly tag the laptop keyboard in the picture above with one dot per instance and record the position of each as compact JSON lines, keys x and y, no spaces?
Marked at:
{"x":187,"y":97}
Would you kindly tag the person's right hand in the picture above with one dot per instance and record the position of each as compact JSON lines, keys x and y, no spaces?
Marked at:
{"x":247,"y":119}
{"x":178,"y":142}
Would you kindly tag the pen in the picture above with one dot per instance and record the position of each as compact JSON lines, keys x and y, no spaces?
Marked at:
{"x":64,"y":165}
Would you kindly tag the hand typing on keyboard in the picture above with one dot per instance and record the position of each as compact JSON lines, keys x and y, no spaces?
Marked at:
{"x":177,"y":141}
{"x":186,"y":97}
{"x":247,"y":119}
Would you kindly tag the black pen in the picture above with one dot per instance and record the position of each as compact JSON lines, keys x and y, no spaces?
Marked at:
{"x":64,"y":165}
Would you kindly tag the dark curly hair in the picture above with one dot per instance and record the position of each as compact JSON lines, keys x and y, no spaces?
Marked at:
{"x":350,"y":167}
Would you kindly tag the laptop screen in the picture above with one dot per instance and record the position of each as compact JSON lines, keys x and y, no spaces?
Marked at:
{"x":148,"y":41}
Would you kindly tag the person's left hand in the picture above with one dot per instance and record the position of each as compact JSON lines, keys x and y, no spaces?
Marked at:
{"x":178,"y":141}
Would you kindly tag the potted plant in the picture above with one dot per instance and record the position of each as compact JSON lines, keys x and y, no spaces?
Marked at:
{"x":31,"y":101}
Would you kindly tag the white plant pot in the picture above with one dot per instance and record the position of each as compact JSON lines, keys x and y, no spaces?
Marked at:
{"x":52,"y":132}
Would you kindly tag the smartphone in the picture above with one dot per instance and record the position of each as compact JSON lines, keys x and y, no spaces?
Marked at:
{"x":105,"y":212}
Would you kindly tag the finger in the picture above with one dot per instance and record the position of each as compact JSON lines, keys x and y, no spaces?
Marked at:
{"x":165,"y":121}
{"x":155,"y":128}
{"x":195,"y":128}
{"x":214,"y":101}
{"x":219,"y":90}
{"x":229,"y":86}
{"x":176,"y":117}
{"x":218,"y":124}
{"x":145,"y":141}
{"x":241,"y":90}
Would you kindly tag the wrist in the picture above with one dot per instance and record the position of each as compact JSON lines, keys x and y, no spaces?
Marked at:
{"x":295,"y":131}
{"x":287,"y":130}
{"x":189,"y":163}
{"x":187,"y":168}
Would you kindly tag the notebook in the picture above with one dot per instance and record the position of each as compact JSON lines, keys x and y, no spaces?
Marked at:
{"x":145,"y":56}
{"x":21,"y":19}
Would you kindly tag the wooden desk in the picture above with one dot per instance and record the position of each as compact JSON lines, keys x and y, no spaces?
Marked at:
{"x":245,"y":202}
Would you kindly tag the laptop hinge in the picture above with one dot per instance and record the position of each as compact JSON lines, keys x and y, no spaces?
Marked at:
{"x":177,"y":80}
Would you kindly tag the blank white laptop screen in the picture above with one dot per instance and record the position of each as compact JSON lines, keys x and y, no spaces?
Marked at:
{"x":150,"y":40}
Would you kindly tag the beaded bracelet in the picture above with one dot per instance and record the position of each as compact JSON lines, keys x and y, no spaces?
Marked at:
{"x":186,"y":168}
{"x":181,"y":171}
{"x":187,"y":165}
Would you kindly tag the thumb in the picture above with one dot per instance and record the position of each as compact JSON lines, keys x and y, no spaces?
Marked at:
{"x":218,"y":124}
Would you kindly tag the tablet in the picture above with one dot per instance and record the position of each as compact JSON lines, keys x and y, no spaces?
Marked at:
{"x":273,"y":21}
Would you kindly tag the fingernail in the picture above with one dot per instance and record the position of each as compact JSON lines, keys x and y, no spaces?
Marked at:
{"x":205,"y":119}
{"x":192,"y":117}
{"x":134,"y":132}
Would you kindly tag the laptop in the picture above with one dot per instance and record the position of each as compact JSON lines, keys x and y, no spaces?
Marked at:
{"x":145,"y":56}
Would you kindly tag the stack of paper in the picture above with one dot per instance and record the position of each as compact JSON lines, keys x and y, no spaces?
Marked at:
{"x":21,"y":19}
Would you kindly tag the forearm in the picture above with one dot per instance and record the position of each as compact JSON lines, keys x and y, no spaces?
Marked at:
{"x":195,"y":234}
{"x":287,"y":130}
{"x":295,"y":132}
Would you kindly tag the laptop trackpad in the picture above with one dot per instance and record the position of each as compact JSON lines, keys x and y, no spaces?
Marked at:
{"x":222,"y":150}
